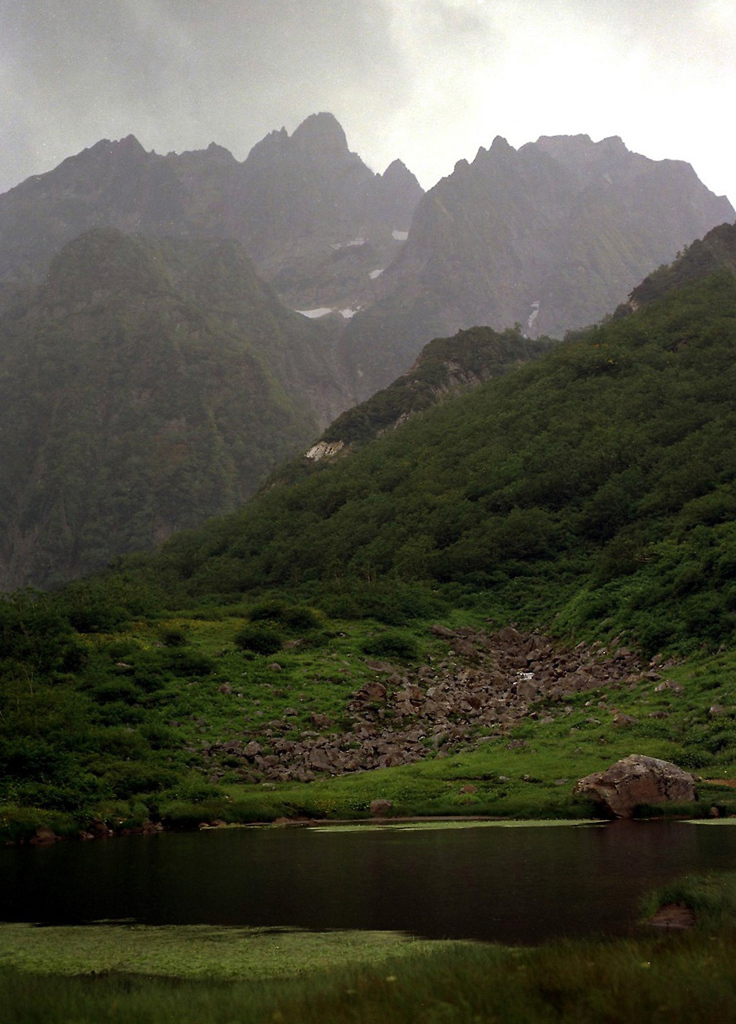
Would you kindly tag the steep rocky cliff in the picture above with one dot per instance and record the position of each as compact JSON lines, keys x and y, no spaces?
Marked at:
{"x":551,"y":236}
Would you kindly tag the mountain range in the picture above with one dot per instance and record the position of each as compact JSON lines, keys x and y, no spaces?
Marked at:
{"x":310,"y":213}
{"x":551,"y":236}
{"x":593,"y":481}
{"x":154,"y":368}
{"x":506,"y":567}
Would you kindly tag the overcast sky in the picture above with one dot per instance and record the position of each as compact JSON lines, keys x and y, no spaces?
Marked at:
{"x":428,"y":81}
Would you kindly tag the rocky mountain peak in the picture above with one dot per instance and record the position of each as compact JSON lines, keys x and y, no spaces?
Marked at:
{"x":399,"y":194}
{"x":398,"y":171}
{"x":322,"y":132}
{"x":220,"y":154}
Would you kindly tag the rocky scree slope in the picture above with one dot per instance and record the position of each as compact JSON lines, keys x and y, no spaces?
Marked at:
{"x":488,"y":683}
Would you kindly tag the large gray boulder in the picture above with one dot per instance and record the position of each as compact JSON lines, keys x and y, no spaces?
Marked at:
{"x":637,"y":779}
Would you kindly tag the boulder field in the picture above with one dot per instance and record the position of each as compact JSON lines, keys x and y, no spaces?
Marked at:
{"x":487,"y":683}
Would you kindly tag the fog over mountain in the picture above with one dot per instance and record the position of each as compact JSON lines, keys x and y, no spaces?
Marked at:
{"x":144,"y":386}
{"x":171,"y":327}
{"x":551,"y":237}
{"x":428,"y":82}
{"x":311,"y":214}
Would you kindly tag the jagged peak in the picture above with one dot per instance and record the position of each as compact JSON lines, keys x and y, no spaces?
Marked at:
{"x":498,"y":148}
{"x":128,"y":145}
{"x":580,"y":138}
{"x":322,"y":129}
{"x":501,"y":145}
{"x":397,"y":169}
{"x":565,"y":145}
{"x":131,"y":142}
{"x":398,"y":176}
{"x":220,"y":152}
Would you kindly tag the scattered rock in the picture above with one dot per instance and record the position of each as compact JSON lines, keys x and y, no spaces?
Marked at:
{"x":486,"y":684}
{"x":151,"y":828}
{"x":44,"y":835}
{"x":637,"y":779}
{"x":380,"y":666}
{"x":100,"y":830}
{"x":380,"y":808}
{"x":372,"y":691}
{"x":673,"y":915}
{"x":668,"y":684}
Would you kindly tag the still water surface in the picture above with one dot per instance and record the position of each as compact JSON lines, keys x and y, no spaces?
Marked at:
{"x":492,"y":883}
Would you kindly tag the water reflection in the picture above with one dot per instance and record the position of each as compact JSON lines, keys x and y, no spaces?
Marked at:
{"x":505,"y":884}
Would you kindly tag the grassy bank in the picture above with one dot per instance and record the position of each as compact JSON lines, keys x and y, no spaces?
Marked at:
{"x":674,"y":978}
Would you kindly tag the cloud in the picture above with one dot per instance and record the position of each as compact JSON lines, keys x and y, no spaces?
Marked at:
{"x":181,"y":75}
{"x":427,"y":80}
{"x":522,"y":68}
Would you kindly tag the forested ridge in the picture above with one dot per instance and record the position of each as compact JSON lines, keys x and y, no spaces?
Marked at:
{"x":603,"y":470}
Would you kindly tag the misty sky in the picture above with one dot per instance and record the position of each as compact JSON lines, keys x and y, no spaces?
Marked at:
{"x":428,"y":81}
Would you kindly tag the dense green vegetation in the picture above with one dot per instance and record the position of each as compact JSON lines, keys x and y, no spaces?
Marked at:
{"x":445,"y":366}
{"x":145,"y":386}
{"x":590,"y":491}
{"x":595,"y":484}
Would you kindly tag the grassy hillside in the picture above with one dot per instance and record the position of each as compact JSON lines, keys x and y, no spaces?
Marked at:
{"x":589,"y":493}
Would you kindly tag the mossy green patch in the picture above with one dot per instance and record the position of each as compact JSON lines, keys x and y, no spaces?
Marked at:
{"x":190,"y":951}
{"x":434,"y":826}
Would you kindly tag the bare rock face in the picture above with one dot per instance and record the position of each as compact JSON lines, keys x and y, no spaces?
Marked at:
{"x":637,"y":779}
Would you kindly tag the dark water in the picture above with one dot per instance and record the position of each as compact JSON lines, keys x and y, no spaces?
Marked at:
{"x":505,"y":884}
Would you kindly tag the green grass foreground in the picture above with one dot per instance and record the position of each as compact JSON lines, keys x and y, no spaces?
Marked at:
{"x":674,"y":978}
